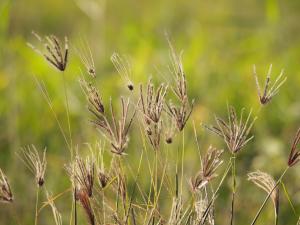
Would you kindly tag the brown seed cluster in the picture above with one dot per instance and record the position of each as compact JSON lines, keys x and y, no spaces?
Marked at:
{"x":152,"y":105}
{"x":210,"y":163}
{"x":235,"y":132}
{"x":54,"y":53}
{"x":114,"y":130}
{"x":269,"y":91}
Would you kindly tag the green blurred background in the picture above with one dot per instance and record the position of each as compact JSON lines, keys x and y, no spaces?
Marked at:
{"x":221,"y":40}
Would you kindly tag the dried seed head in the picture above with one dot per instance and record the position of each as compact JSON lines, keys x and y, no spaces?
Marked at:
{"x":123,"y":67}
{"x":152,"y":102}
{"x":294,"y":156}
{"x":210,"y":163}
{"x":37,"y":165}
{"x":94,"y":99}
{"x":269,"y":91}
{"x":54,"y":53}
{"x":5,"y":191}
{"x":116,"y":131}
{"x":82,"y":174}
{"x":84,"y":200}
{"x":235,"y":132}
{"x":85,"y":54}
{"x":267,"y":183}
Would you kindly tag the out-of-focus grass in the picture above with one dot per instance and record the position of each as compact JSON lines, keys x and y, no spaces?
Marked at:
{"x":221,"y":41}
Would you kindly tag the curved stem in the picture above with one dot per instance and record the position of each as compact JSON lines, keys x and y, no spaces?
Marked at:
{"x":268,"y":196}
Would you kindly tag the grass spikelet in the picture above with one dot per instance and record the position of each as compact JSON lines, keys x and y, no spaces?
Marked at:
{"x":269,"y":91}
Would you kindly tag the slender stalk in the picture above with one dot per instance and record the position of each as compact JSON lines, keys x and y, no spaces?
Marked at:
{"x":233,"y":189}
{"x":268,"y":196}
{"x":202,"y":221}
{"x":182,"y":159}
{"x":276,"y":218}
{"x":36,"y":205}
{"x":75,"y":207}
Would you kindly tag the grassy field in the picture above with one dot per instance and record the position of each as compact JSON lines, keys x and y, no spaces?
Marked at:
{"x":219,"y":42}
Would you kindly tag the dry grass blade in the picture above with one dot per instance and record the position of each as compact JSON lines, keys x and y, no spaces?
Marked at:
{"x":235,"y":131}
{"x":5,"y":191}
{"x":269,"y":91}
{"x":53,"y":51}
{"x":123,"y":67}
{"x":56,"y":215}
{"x":36,"y":164}
{"x":267,"y":183}
{"x":210,"y":163}
{"x":294,"y":156}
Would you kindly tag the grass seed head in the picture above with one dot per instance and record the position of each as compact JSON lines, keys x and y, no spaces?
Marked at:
{"x":210,"y":163}
{"x":269,"y":90}
{"x":5,"y":190}
{"x":36,"y":164}
{"x":235,"y":132}
{"x":53,"y":52}
{"x":267,"y":183}
{"x":294,"y":156}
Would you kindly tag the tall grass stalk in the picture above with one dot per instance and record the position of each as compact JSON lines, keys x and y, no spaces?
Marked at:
{"x":233,"y":174}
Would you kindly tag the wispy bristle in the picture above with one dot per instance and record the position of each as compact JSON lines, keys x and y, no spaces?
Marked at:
{"x":86,"y":57}
{"x":267,"y":183}
{"x":123,"y":67}
{"x":36,"y":164}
